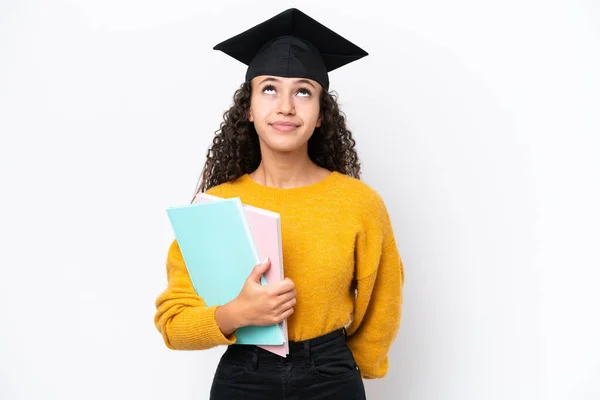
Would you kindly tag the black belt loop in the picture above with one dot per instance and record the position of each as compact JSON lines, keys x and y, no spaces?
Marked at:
{"x":307,"y":353}
{"x":254,"y":361}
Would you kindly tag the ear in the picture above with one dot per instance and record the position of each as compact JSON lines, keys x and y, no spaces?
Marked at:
{"x":250,"y":117}
{"x":318,"y":122}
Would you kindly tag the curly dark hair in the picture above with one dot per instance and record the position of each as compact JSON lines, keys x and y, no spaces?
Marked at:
{"x":235,"y":148}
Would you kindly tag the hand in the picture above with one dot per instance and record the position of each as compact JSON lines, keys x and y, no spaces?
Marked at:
{"x":265,"y":305}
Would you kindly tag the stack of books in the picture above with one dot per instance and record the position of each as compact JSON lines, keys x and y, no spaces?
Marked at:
{"x":221,"y":240}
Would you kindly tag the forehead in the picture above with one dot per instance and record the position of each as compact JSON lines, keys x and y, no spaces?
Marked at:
{"x":284,"y":80}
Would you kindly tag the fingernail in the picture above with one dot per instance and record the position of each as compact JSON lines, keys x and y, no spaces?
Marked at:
{"x":266,"y":259}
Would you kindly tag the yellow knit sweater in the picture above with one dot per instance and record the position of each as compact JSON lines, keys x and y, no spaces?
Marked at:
{"x":338,"y":249}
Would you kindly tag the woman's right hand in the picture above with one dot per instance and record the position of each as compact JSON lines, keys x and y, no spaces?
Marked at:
{"x":265,"y":305}
{"x":256,"y":304}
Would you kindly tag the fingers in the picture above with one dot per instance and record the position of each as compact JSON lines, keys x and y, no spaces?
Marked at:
{"x":285,"y":309}
{"x":284,"y":286}
{"x":263,"y":266}
{"x":288,"y":282}
{"x":281,"y":316}
{"x":286,"y":314}
{"x":288,"y":304}
{"x":287,"y":296}
{"x":260,"y":269}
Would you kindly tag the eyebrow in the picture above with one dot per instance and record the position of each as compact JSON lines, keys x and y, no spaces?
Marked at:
{"x":271,"y":79}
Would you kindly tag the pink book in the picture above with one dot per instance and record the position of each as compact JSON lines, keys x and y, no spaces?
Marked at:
{"x":266,"y":230}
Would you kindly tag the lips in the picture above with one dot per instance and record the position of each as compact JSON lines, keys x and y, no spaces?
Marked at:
{"x":283,"y":126}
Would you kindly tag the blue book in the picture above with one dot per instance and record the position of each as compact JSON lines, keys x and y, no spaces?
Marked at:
{"x":219,"y":252}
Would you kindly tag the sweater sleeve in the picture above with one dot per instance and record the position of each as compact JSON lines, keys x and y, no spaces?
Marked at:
{"x":182,"y":317}
{"x":378,"y":303}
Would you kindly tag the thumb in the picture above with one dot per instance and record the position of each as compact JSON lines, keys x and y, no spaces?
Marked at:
{"x":260,"y":269}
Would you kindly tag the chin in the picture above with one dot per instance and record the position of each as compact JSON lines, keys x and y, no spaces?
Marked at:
{"x":282,"y":148}
{"x":283,"y":145}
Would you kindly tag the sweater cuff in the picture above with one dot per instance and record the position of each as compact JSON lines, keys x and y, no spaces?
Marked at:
{"x":215,"y":335}
{"x":369,"y":368}
{"x":199,"y":331}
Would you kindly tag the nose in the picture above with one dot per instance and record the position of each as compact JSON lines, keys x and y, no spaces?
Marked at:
{"x":286,"y":105}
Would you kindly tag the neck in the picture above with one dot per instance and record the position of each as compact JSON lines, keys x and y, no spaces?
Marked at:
{"x":286,"y":170}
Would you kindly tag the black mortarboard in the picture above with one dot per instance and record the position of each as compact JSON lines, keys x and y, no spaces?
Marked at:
{"x":291,"y":44}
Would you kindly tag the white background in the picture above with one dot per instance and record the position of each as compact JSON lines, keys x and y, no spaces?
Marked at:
{"x":477,"y":121}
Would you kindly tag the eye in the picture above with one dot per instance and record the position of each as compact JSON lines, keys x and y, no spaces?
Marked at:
{"x":304,"y":92}
{"x":269,"y":89}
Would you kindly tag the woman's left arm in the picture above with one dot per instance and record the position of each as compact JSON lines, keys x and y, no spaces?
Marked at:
{"x":378,"y":307}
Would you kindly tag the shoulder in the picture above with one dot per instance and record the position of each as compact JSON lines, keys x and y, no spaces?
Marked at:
{"x":365,"y":203}
{"x":360,"y":193}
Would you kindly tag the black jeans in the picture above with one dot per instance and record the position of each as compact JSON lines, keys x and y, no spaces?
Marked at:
{"x":319,"y":368}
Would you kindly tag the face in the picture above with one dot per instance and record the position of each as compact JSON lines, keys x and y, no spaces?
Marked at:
{"x":285,"y":112}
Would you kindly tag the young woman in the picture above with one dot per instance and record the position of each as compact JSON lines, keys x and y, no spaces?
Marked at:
{"x":284,"y":146}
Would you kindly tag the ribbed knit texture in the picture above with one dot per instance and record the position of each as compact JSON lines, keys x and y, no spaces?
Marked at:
{"x":338,"y":249}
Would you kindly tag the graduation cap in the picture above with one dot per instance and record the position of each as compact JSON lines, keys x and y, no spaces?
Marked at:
{"x":291,"y":44}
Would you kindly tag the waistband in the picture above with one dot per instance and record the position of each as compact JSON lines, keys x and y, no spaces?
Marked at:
{"x":298,"y":349}
{"x":336,"y":337}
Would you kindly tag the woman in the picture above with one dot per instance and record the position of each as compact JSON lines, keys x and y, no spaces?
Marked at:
{"x":284,"y":146}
